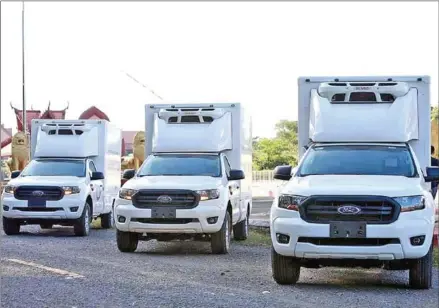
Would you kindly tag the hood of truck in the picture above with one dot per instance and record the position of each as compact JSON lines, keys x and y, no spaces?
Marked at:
{"x":47,"y":181}
{"x":389,"y":186}
{"x":174,"y":182}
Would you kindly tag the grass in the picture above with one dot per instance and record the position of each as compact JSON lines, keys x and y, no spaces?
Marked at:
{"x":436,"y":257}
{"x":257,"y":237}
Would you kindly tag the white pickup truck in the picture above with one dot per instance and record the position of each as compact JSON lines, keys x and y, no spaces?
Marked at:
{"x":192,"y":184}
{"x":74,"y":175}
{"x":361,"y":194}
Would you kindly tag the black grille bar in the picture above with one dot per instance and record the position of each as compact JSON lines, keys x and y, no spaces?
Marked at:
{"x":181,"y":199}
{"x":320,"y":241}
{"x":49,"y":193}
{"x":167,"y":221}
{"x":373,"y":209}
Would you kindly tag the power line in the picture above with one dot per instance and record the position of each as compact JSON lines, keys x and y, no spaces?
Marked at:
{"x":143,"y":85}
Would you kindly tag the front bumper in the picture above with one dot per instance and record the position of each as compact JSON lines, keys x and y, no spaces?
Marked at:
{"x":55,"y":210}
{"x":204,"y":210}
{"x":408,"y":225}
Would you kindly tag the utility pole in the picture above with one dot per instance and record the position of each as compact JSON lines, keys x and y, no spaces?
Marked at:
{"x":22,"y":56}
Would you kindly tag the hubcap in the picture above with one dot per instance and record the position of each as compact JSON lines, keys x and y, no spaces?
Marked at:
{"x":87,"y":222}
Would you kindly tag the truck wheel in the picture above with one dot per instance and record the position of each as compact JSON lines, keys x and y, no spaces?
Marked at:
{"x":107,"y":221}
{"x":10,"y":226}
{"x":127,"y":241}
{"x":240,"y":230}
{"x":286,"y":270}
{"x":421,"y":271}
{"x":220,"y":241}
{"x":82,"y":226}
{"x":46,"y":226}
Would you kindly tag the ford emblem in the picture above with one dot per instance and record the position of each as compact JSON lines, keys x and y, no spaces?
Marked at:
{"x":164,"y":199}
{"x":38,"y":193}
{"x":349,"y":210}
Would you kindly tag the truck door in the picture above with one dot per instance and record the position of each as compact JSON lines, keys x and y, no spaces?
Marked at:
{"x":97,"y":190}
{"x":234,"y":190}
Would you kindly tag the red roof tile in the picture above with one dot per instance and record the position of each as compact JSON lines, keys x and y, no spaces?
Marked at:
{"x":93,"y":111}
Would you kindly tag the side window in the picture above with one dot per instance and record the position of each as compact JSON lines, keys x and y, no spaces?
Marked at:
{"x":227,"y":166}
{"x":91,"y":167}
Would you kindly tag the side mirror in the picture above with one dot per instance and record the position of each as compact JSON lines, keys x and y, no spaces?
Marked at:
{"x":236,"y":175}
{"x":282,"y":173}
{"x":15,"y":174}
{"x":128,"y":174}
{"x":432,"y":174}
{"x":97,"y":176}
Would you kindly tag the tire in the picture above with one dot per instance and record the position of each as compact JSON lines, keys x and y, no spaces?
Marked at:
{"x":240,"y":230}
{"x":82,"y":226}
{"x":286,"y":270}
{"x":10,"y":226}
{"x":46,"y":226}
{"x":421,"y":271}
{"x":220,"y":241}
{"x":107,"y":220}
{"x":127,"y":241}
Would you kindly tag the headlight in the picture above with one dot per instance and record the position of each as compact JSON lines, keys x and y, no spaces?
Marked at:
{"x":71,"y":190}
{"x":10,"y":189}
{"x":411,"y":203}
{"x":127,"y":194}
{"x":290,"y":202}
{"x":208,"y":194}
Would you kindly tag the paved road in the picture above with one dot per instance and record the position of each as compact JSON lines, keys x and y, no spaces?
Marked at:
{"x":261,"y":208}
{"x":54,"y":269}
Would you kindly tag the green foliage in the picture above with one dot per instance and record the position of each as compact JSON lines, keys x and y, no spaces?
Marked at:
{"x":435,"y":113}
{"x":283,"y":149}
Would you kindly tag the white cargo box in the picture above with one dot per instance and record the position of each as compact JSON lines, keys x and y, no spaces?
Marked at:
{"x":366,"y":109}
{"x":96,"y":139}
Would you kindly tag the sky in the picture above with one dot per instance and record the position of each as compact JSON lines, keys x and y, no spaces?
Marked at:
{"x":207,"y":52}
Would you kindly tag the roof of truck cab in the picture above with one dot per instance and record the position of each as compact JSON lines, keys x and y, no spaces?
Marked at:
{"x":398,"y":144}
{"x":414,"y":78}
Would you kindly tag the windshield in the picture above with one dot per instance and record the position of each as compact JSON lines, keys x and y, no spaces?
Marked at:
{"x":184,"y":165}
{"x":358,"y":159}
{"x":55,"y":167}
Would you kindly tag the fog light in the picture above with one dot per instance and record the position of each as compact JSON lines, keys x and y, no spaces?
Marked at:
{"x":282,"y":238}
{"x":212,"y":220}
{"x":121,"y":219}
{"x":74,"y":208}
{"x":417,"y":240}
{"x":5,"y":208}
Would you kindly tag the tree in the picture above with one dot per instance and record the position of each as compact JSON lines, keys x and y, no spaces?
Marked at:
{"x":435,"y":113}
{"x":281,"y":150}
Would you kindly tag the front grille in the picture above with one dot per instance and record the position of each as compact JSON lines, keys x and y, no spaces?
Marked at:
{"x":167,"y":221}
{"x":181,"y":199}
{"x":321,"y":241}
{"x":373,"y":209}
{"x":48,"y":193}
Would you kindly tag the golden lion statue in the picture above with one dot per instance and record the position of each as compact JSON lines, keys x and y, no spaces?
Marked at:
{"x":19,"y":152}
{"x":139,"y":149}
{"x":136,"y":160}
{"x":5,"y":170}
